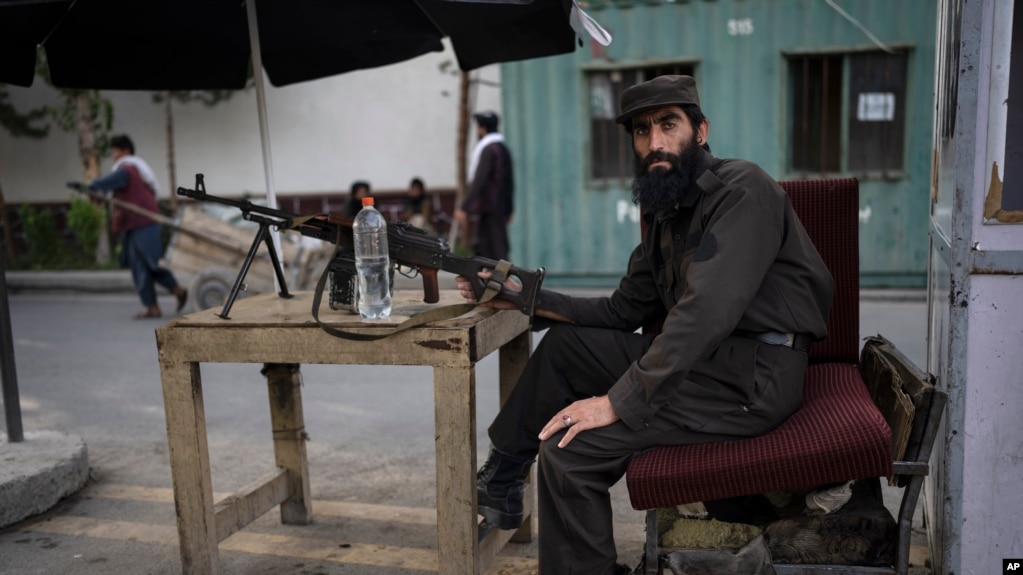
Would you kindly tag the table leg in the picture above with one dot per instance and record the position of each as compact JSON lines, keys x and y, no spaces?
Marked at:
{"x":454,"y":395}
{"x":190,"y":467}
{"x":284,"y":383}
{"x":512,"y":360}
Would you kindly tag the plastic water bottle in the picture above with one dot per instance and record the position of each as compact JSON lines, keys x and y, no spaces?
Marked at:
{"x":372,"y":262}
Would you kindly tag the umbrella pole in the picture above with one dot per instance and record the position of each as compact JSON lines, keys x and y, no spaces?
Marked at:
{"x":264,"y":128}
{"x":8,"y":375}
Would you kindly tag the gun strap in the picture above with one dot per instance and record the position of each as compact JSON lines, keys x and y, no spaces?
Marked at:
{"x":298,"y":221}
{"x":494,"y":285}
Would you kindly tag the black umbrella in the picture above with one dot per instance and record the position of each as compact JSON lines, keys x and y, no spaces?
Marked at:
{"x":209,"y":44}
{"x":205,"y":44}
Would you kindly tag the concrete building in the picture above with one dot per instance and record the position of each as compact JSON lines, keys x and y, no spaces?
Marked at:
{"x":383,"y":125}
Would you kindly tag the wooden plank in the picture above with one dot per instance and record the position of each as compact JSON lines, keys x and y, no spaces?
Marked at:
{"x":202,"y":241}
{"x":916,"y":383}
{"x":886,"y":389}
{"x":885,"y":366}
{"x":239,"y":509}
{"x":492,"y":331}
{"x":284,"y":384}
{"x":454,"y":390}
{"x":512,"y":361}
{"x":212,"y":232}
{"x":271,"y":329}
{"x":228,"y":237}
{"x":190,"y":466}
{"x":312,"y":345}
{"x":194,"y":252}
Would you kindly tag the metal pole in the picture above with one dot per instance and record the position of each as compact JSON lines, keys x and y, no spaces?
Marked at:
{"x":8,"y":375}
{"x":264,"y":127}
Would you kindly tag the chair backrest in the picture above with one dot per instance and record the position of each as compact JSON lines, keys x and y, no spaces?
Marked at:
{"x":829,"y":210}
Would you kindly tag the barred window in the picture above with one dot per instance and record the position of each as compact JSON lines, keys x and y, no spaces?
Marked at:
{"x":868,"y":135}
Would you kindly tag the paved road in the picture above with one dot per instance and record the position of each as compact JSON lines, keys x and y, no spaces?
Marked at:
{"x":86,"y":367}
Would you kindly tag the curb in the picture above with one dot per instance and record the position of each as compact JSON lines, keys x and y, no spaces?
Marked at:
{"x":38,"y":472}
{"x":112,"y":281}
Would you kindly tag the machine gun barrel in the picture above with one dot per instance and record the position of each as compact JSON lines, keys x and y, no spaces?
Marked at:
{"x":408,"y":246}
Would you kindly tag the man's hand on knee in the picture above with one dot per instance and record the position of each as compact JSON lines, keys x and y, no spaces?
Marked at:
{"x":580,"y":416}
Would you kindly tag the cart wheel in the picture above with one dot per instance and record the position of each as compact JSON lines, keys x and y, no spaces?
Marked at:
{"x":210,"y":289}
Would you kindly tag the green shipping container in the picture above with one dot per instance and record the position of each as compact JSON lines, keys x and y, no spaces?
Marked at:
{"x":805,"y":88}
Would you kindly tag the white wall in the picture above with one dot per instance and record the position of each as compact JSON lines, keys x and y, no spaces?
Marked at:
{"x":383,"y":125}
{"x":992,"y":468}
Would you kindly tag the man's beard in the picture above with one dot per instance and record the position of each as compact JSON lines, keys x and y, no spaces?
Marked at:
{"x":663,"y":188}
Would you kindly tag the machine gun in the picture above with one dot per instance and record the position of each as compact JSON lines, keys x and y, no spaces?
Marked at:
{"x":409,"y":247}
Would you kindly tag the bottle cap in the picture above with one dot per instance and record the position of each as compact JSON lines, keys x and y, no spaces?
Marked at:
{"x":367,"y":201}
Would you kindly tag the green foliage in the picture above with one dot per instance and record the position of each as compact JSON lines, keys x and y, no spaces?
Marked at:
{"x":47,"y":248}
{"x":100,"y":116}
{"x":86,"y":221}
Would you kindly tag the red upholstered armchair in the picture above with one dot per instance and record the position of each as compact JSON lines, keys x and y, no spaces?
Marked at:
{"x":837,"y":435}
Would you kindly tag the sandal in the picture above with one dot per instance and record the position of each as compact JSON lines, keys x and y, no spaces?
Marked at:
{"x":146,"y":314}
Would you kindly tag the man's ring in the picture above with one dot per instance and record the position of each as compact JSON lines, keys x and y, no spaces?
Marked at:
{"x":567,"y":419}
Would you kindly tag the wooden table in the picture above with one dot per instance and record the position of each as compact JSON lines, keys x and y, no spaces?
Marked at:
{"x":281,"y":334}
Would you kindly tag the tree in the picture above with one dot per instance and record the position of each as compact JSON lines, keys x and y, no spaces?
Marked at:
{"x":31,"y":124}
{"x":83,"y":112}
{"x":460,"y":143}
{"x":90,"y":116}
{"x":467,"y":84}
{"x":206,"y":97}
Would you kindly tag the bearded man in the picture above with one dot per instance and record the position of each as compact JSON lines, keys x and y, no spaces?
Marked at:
{"x":743,"y":292}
